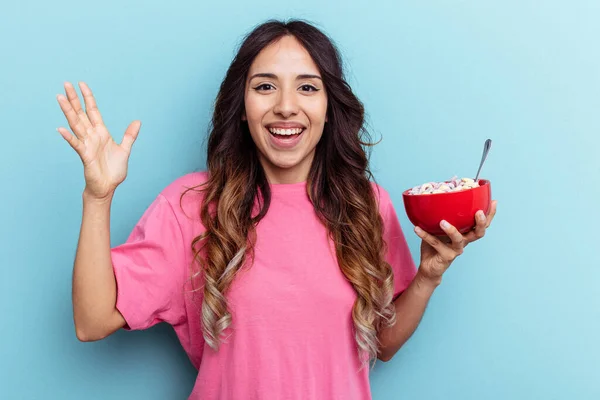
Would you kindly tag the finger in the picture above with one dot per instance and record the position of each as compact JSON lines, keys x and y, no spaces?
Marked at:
{"x":91,"y":107}
{"x":76,"y":104}
{"x":443,"y":249}
{"x":480,"y":225}
{"x":492,"y":213}
{"x":71,"y":139}
{"x":75,"y":123}
{"x":479,"y":230}
{"x":131,"y":134}
{"x":457,"y":239}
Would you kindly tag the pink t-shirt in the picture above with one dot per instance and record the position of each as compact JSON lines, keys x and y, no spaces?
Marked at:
{"x":292,"y":332}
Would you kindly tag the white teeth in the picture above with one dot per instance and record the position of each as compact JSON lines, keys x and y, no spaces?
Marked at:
{"x":286,"y":132}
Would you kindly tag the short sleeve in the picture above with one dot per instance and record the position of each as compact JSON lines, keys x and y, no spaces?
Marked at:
{"x":398,"y":253}
{"x":150,"y":269}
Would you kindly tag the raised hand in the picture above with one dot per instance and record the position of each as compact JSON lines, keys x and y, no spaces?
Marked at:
{"x":104,"y":161}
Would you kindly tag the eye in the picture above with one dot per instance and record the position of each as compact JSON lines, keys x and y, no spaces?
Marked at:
{"x":309,"y":88}
{"x":264,"y":86}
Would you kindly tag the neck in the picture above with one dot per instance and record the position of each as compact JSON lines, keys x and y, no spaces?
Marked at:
{"x":281,"y":176}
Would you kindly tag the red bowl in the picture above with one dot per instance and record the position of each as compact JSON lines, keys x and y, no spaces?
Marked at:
{"x":458,"y":208}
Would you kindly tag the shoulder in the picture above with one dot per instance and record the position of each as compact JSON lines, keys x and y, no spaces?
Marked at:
{"x":381,"y":196}
{"x":182,"y":194}
{"x":175,"y":189}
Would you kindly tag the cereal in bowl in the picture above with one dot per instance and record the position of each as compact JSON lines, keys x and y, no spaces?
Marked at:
{"x":453,"y":185}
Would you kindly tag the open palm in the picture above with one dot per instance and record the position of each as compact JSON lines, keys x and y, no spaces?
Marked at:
{"x":104,"y":161}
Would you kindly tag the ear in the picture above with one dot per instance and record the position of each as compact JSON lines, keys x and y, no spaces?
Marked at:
{"x":244,"y":116}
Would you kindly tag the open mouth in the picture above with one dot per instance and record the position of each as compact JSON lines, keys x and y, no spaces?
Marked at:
{"x":286,"y":134}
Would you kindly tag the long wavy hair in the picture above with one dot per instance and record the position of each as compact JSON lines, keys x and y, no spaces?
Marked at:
{"x":236,"y":195}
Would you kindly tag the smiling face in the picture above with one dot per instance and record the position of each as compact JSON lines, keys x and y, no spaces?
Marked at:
{"x":285,"y":108}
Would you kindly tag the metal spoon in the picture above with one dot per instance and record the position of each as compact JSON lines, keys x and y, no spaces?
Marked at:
{"x":486,"y":149}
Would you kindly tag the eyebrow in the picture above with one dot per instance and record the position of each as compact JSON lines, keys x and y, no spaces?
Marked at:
{"x":273,"y":76}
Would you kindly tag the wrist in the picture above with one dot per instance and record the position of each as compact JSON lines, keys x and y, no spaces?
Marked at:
{"x":427,"y":282}
{"x":91,"y":199}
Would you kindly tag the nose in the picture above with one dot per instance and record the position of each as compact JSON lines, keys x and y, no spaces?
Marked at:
{"x":287,"y":104}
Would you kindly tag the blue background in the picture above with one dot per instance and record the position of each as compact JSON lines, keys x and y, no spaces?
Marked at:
{"x":516,"y":317}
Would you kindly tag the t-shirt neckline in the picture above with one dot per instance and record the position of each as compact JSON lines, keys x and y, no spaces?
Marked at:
{"x":288,"y":187}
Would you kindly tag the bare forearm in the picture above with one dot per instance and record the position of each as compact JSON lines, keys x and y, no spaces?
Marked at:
{"x":94,"y":286}
{"x":410,"y":307}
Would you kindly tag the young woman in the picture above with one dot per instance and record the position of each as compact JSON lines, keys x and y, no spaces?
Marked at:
{"x":280,"y":267}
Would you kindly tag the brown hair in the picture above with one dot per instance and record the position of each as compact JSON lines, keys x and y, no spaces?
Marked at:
{"x":338,"y":185}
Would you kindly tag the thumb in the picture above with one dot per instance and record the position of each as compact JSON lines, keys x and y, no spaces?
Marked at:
{"x":131,"y":134}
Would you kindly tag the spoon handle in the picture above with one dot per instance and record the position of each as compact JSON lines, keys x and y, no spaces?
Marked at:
{"x":486,"y":149}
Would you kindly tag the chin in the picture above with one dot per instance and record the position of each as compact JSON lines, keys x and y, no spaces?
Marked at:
{"x":285,"y":164}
